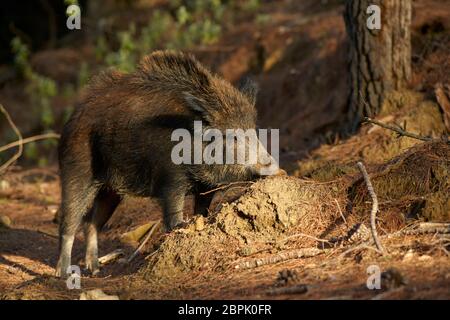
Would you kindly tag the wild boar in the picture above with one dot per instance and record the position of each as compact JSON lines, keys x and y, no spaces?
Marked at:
{"x":118,"y":142}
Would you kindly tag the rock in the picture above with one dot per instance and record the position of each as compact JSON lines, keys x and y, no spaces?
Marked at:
{"x":5,"y":221}
{"x":97,"y":294}
{"x":392,"y":278}
{"x":287,"y":277}
{"x":199,"y":223}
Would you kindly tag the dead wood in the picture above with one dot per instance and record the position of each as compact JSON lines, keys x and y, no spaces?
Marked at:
{"x":373,"y":213}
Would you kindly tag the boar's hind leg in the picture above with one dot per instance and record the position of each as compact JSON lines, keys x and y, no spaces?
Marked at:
{"x":76,"y":201}
{"x":105,"y":203}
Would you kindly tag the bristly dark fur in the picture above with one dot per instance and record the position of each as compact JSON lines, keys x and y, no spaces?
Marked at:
{"x":182,"y":75}
{"x":118,"y":142}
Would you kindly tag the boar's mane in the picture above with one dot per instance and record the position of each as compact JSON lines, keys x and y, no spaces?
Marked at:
{"x":181,"y":75}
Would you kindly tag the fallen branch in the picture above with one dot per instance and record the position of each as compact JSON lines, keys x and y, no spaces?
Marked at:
{"x":373,"y":213}
{"x":19,"y":135}
{"x":398,"y":130}
{"x":110,"y":256}
{"x":280,"y":257}
{"x":429,"y":227}
{"x":44,"y":136}
{"x":148,"y":236}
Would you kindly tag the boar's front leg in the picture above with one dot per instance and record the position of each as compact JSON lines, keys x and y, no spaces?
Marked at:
{"x":172,"y":201}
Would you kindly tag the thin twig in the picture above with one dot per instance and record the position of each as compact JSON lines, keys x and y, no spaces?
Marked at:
{"x":19,"y":135}
{"x":373,"y":213}
{"x":44,"y":136}
{"x":226,"y":186}
{"x":305,"y":236}
{"x":149,"y":234}
{"x":399,"y":130}
{"x":340,"y":211}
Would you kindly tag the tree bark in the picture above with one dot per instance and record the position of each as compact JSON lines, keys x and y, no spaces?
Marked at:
{"x":379,"y":60}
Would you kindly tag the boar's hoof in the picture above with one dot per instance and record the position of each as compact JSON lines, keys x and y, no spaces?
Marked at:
{"x":93,"y":267}
{"x":179,"y":225}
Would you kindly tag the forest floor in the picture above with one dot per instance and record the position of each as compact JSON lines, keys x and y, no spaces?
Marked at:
{"x":29,"y":254}
{"x":279,"y":234}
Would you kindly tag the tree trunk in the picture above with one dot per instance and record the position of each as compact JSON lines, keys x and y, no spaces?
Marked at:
{"x":379,"y":60}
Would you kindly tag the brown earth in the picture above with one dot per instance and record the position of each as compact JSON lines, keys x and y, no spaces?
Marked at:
{"x":272,"y":216}
{"x":303,"y":81}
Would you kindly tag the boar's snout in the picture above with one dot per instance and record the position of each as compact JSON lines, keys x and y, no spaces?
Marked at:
{"x":266,"y":164}
{"x":271,"y":169}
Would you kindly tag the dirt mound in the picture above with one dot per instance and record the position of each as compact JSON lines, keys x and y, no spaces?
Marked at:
{"x":414,"y":184}
{"x":269,"y":211}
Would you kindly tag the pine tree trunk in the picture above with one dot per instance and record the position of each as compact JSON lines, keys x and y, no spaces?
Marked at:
{"x":379,"y":60}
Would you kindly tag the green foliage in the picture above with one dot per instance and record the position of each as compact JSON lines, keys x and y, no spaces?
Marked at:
{"x":195,"y":23}
{"x":40,"y":89}
{"x":251,"y":5}
{"x":152,"y":34}
{"x":30,"y":151}
{"x":21,"y":56}
{"x":70,"y":2}
{"x":101,"y":48}
{"x":125,"y":58}
{"x":83,"y":74}
{"x":262,"y":19}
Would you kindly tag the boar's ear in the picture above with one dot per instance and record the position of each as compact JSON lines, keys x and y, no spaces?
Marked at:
{"x":196,"y":104}
{"x":249,"y":88}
